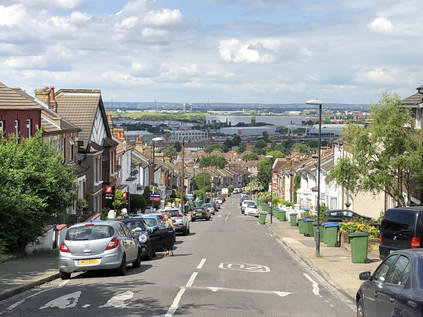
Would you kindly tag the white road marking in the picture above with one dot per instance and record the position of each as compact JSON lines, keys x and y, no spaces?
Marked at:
{"x":23,"y":300}
{"x":65,"y":301}
{"x":86,"y":305}
{"x":315,"y":285}
{"x":227,"y":216}
{"x":239,"y":290}
{"x":244,"y":267}
{"x":172,"y":309}
{"x":201,"y":264}
{"x":118,"y":301}
{"x":62,"y":284}
{"x":192,"y":278}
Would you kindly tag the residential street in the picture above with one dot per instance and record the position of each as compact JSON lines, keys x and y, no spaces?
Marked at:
{"x":229,"y":266}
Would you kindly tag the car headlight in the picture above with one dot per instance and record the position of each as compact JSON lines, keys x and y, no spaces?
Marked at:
{"x":143,"y":238}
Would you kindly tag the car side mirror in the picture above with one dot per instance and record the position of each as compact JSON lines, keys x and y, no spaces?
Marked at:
{"x":364,"y":276}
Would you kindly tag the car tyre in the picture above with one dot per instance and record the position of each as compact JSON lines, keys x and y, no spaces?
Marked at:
{"x":65,"y":276}
{"x":121,"y":270}
{"x":360,"y":310}
{"x":185,"y":231}
{"x":137,"y":263}
{"x":193,"y":219}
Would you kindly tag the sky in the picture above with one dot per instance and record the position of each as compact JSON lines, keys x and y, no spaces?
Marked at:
{"x":217,"y":51}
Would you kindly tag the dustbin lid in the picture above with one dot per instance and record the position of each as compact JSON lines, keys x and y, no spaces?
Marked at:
{"x":263,"y":213}
{"x":331,"y":224}
{"x":358,"y":234}
{"x":308,"y":219}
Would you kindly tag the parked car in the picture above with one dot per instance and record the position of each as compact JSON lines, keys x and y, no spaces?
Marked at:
{"x":141,"y":232}
{"x":210,"y":207}
{"x":401,"y":228}
{"x":251,"y":209}
{"x":180,"y":221}
{"x":220,"y":199}
{"x":98,"y":245}
{"x":200,"y":213}
{"x":244,"y":204}
{"x":339,"y":215}
{"x":160,"y":237}
{"x":395,"y":288}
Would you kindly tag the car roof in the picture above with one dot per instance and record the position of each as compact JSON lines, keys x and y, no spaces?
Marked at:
{"x":95,"y":223}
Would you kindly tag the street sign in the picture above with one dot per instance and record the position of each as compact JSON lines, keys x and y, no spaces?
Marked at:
{"x":110,"y":192}
{"x":155,"y":197}
{"x":190,"y":196}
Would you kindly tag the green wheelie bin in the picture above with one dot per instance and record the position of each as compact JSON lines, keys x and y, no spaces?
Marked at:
{"x":282,"y":215}
{"x":359,"y":244}
{"x":331,"y":234}
{"x":293,"y":220}
{"x":262,"y":219}
{"x":308,"y":227}
{"x":301,"y":226}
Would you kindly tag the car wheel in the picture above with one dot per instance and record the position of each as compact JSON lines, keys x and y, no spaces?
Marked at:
{"x":360,"y":310}
{"x":188,"y":231}
{"x":65,"y":276}
{"x":121,"y":270}
{"x":193,"y":219}
{"x":137,"y":262}
{"x":185,"y":231}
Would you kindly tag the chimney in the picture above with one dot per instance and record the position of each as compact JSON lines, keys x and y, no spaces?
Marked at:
{"x":51,"y":93}
{"x":52,"y":102}
{"x":43,"y":95}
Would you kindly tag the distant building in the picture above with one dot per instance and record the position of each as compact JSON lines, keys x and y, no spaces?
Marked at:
{"x":248,"y":131}
{"x":282,"y":121}
{"x":229,"y":120}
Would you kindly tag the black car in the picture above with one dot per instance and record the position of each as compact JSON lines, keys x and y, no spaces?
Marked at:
{"x":200,"y":213}
{"x":161,"y":237}
{"x":339,"y":215}
{"x":142,"y":234}
{"x":401,"y":228}
{"x":395,"y":288}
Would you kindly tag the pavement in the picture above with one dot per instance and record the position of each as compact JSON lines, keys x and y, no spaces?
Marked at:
{"x":334,"y":263}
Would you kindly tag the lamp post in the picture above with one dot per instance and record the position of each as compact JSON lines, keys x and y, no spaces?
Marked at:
{"x":271,"y":187}
{"x":318,"y":103}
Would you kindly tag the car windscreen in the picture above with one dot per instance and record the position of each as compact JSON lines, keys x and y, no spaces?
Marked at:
{"x":252,"y":205}
{"x":135,"y":225}
{"x":151,"y":222}
{"x":89,"y":232}
{"x":173,"y":213}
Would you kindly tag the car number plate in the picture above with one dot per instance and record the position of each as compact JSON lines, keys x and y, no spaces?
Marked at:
{"x":199,"y":214}
{"x":88,"y":262}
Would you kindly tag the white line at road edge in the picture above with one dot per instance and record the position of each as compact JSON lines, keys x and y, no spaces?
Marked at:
{"x":315,"y":285}
{"x":201,"y":264}
{"x":227,"y":216}
{"x":178,"y":296}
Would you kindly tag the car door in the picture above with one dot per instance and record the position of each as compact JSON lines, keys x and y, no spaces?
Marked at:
{"x":132,"y":245}
{"x":390,"y":292}
{"x":372,"y":288}
{"x":155,"y":235}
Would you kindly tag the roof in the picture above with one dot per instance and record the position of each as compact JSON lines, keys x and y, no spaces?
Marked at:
{"x":80,"y":106}
{"x":415,"y":99}
{"x":12,"y":98}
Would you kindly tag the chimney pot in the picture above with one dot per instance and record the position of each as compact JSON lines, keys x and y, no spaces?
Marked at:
{"x":52,"y":93}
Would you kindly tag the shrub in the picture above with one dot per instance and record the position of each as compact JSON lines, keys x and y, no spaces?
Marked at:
{"x":360,"y":225}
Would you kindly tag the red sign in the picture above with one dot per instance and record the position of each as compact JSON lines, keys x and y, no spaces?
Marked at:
{"x":109,"y":189}
{"x":125,"y":195}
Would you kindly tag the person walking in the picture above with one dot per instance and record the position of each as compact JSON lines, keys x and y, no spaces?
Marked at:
{"x":169,"y":224}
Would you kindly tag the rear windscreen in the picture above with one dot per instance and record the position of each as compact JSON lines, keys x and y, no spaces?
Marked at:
{"x":89,"y":232}
{"x":135,"y":225}
{"x":399,"y":221}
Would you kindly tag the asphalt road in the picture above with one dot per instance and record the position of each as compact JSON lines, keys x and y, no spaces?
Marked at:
{"x":228,"y":266}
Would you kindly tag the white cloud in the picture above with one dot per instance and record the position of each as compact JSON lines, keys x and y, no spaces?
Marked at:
{"x":382,"y":26}
{"x":252,"y":51}
{"x":13,"y":15}
{"x":375,"y":75}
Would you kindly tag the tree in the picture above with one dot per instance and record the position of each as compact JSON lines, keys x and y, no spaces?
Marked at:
{"x":170,"y":152}
{"x":264,"y":168}
{"x":242,"y":148}
{"x":137,"y":203}
{"x":119,"y":201}
{"x":177,"y":146}
{"x":35,"y":188}
{"x":344,"y":173}
{"x":250,"y":157}
{"x":276,"y":154}
{"x":387,"y":156}
{"x":213,"y":160}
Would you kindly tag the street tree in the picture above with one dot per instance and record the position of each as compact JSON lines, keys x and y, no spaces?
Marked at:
{"x":387,"y":156}
{"x":264,"y":168}
{"x":35,"y":188}
{"x":170,"y":152}
{"x":213,"y":160}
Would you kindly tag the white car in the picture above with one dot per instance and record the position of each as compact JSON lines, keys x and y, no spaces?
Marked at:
{"x":180,"y":221}
{"x":251,"y":209}
{"x":244,"y":204}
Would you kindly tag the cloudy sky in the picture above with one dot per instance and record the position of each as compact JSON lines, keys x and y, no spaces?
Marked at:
{"x":259,"y":51}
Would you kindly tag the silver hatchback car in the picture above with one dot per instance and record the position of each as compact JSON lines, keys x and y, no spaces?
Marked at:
{"x":98,"y":245}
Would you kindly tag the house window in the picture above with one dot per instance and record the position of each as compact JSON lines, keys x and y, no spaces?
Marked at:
{"x":28,"y":128}
{"x":1,"y":129}
{"x":418,"y":118}
{"x":16,"y":128}
{"x":71,"y":145}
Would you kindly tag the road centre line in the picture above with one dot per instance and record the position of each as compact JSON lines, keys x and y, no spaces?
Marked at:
{"x":172,"y":309}
{"x":315,"y":285}
{"x":239,"y":290}
{"x":201,"y":264}
{"x":227,"y":216}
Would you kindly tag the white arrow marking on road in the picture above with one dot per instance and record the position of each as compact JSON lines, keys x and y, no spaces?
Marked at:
{"x":227,"y":216}
{"x":65,"y":301}
{"x":238,"y":290}
{"x":315,"y":285}
{"x":118,"y":301}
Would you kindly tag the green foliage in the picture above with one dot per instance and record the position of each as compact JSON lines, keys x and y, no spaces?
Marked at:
{"x":360,"y":225}
{"x":119,"y":201}
{"x":276,"y":154}
{"x":170,"y":152}
{"x":214,"y":147}
{"x":242,"y":148}
{"x":145,"y":116}
{"x":35,"y":188}
{"x":254,"y":186}
{"x":137,"y":203}
{"x":231,"y":188}
{"x":264,"y":168}
{"x":297,"y":184}
{"x":203,"y":181}
{"x":250,"y":157}
{"x":260,"y":144}
{"x":301,"y":148}
{"x":387,"y":156}
{"x":213,"y":160}
{"x":177,"y":146}
{"x":344,"y":173}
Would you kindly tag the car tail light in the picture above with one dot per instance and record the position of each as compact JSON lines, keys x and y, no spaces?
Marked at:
{"x":380,"y":239}
{"x":113,"y":243}
{"x":192,"y":214}
{"x":415,"y":242}
{"x":179,"y":216}
{"x":64,"y":247}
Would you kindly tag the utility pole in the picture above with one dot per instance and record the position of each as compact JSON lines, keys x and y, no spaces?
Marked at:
{"x":182,"y":175}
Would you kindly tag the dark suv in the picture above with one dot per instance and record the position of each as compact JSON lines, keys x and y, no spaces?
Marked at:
{"x":401,"y":228}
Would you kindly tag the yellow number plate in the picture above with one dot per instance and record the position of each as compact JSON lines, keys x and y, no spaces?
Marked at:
{"x":199,"y":214}
{"x":88,"y":262}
